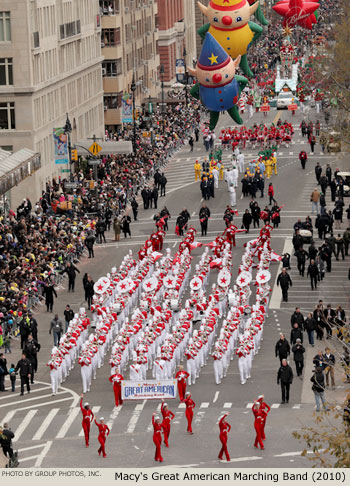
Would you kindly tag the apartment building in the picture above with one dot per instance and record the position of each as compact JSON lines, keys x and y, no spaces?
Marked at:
{"x":50,"y":65}
{"x":129,"y":47}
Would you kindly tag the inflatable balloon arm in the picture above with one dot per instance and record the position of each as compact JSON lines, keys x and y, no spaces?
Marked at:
{"x":194,"y":91}
{"x":203,"y":30}
{"x":260,"y":16}
{"x":257,"y":29}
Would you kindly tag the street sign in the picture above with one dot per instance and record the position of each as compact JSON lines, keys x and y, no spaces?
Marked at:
{"x":71,"y":185}
{"x":150,"y":108}
{"x":94,"y":162}
{"x":292,"y":107}
{"x":65,"y":170}
{"x":265,"y":108}
{"x":95,"y":148}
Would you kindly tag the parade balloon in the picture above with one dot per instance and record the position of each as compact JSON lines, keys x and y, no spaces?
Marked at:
{"x":218,"y":88}
{"x":297,"y":12}
{"x":230,"y":25}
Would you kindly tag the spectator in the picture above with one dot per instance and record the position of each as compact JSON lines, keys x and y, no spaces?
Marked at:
{"x":31,"y":349}
{"x":310,"y":327}
{"x":298,"y":352}
{"x":282,"y":348}
{"x":329,"y":363}
{"x":126,"y":225}
{"x":285,"y":378}
{"x":89,"y":243}
{"x":318,"y":388}
{"x":71,"y":270}
{"x":25,"y":370}
{"x":3,"y":371}
{"x":68,"y":316}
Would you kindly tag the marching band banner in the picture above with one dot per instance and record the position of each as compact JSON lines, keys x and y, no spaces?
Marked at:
{"x":149,"y":389}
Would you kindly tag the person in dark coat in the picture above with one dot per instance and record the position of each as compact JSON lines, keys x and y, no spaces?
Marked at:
{"x":318,"y":388}
{"x":204,"y":215}
{"x":100,"y":230}
{"x":89,"y":290}
{"x":318,"y":172}
{"x":296,"y":333}
{"x":25,"y":369}
{"x":282,"y":348}
{"x":89,"y":243}
{"x":157,"y":178}
{"x":165,"y":215}
{"x":144,"y":195}
{"x":204,"y":186}
{"x":24,"y":329}
{"x":298,"y":352}
{"x":285,"y":378}
{"x":255,"y":210}
{"x":3,"y":371}
{"x":69,"y":314}
{"x":310,"y":327}
{"x":284,"y":281}
{"x":297,"y":240}
{"x":312,"y":271}
{"x":31,"y":349}
{"x":301,"y":255}
{"x":6,"y":440}
{"x":247,"y":220}
{"x":333,"y":188}
{"x":126,"y":225}
{"x":155,"y":197}
{"x":163,"y":183}
{"x":49,"y":291}
{"x":135,"y":208}
{"x":297,"y":317}
{"x":71,"y":270}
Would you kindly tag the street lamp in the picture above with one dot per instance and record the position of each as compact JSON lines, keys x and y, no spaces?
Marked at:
{"x":68,"y":131}
{"x":150,"y":113}
{"x":186,"y":75}
{"x":162,"y":80}
{"x":133,"y":89}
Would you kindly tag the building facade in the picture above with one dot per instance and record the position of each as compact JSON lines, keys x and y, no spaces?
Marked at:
{"x":171,"y":28}
{"x":129,"y":46}
{"x":190,"y":32}
{"x":50,"y":65}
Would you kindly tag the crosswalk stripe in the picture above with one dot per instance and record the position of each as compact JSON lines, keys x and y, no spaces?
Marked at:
{"x":181,"y":405}
{"x":42,"y":429}
{"x":70,"y":419}
{"x":249,"y":405}
{"x":95,"y":411}
{"x":297,"y":405}
{"x":44,"y":404}
{"x":204,"y":405}
{"x":8,"y":417}
{"x":24,"y":424}
{"x":25,"y":400}
{"x":113,"y":416}
{"x":135,"y":417}
{"x":275,"y":405}
{"x":227,"y":405}
{"x":35,"y":390}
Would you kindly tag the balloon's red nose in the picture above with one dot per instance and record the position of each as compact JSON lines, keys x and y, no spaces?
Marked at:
{"x":226,"y":20}
{"x":217,"y":78}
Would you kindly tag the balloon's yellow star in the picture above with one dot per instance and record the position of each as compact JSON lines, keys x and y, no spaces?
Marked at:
{"x":213,"y":59}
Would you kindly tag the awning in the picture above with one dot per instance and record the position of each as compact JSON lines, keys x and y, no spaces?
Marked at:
{"x":119,"y":148}
{"x":15,"y":167}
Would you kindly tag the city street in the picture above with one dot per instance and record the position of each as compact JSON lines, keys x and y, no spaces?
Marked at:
{"x":48,"y":429}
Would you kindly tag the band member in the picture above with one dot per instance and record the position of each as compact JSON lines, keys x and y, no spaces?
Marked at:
{"x":225,"y":428}
{"x":189,"y":411}
{"x":168,"y":416}
{"x":116,"y":379}
{"x":103,"y":429}
{"x":258,"y":425}
{"x":181,"y":377}
{"x":157,"y":436}
{"x":265,"y":409}
{"x":88,"y":417}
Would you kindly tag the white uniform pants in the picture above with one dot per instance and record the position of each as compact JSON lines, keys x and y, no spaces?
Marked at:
{"x":218,"y":370}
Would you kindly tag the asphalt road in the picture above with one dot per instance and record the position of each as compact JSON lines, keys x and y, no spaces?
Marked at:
{"x":48,"y":429}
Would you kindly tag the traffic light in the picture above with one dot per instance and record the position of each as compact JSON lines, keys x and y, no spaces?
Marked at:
{"x":74,"y":156}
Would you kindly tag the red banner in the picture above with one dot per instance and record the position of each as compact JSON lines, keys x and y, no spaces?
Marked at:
{"x":292,"y":107}
{"x":265,"y":108}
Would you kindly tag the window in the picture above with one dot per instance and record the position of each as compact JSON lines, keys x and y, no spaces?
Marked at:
{"x":6,"y":75}
{"x":8,"y":148}
{"x":113,"y":101}
{"x":36,"y":40}
{"x":111,"y":69}
{"x":111,"y":37}
{"x":7,"y":116}
{"x":5,"y":27}
{"x":109,"y":7}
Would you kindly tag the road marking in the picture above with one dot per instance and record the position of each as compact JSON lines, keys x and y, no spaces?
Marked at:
{"x":181,"y":405}
{"x":31,"y":448}
{"x":43,"y":404}
{"x":277,"y":117}
{"x":43,"y":427}
{"x":204,"y":405}
{"x":31,"y":399}
{"x":228,"y":405}
{"x":43,"y":454}
{"x":174,"y":244}
{"x":216,"y":396}
{"x":135,"y":417}
{"x":244,"y":459}
{"x":297,"y":405}
{"x":275,"y":405}
{"x":8,"y":417}
{"x":31,"y":392}
{"x":24,"y":424}
{"x":249,"y":405}
{"x":70,"y":419}
{"x":113,"y":416}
